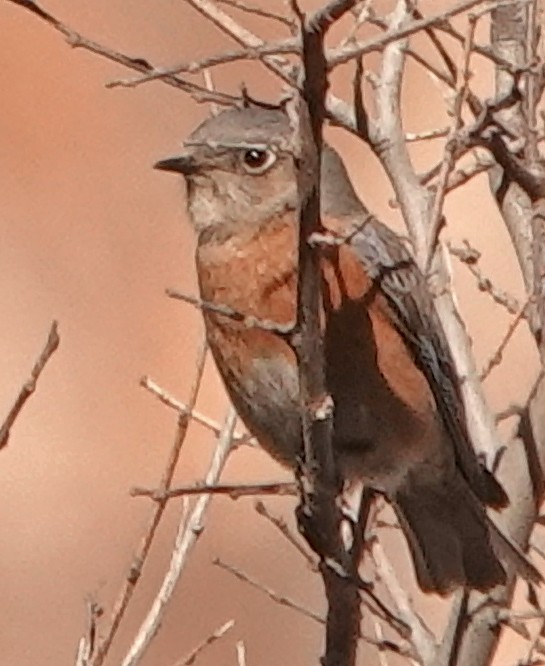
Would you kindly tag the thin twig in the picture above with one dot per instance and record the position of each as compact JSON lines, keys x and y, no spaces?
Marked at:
{"x":77,"y":40}
{"x":355,"y":49}
{"x":183,"y":410}
{"x":462,"y":175}
{"x":258,"y":11}
{"x":189,"y":659}
{"x":248,"y":321}
{"x":497,"y":357}
{"x":188,"y":533}
{"x":436,"y":216}
{"x":144,"y":546}
{"x":274,"y":596}
{"x":29,"y":387}
{"x":285,"y":531}
{"x":470,"y":256}
{"x":232,"y":490}
{"x":286,"y":47}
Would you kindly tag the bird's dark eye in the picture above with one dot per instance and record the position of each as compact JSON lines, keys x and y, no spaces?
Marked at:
{"x":258,"y":160}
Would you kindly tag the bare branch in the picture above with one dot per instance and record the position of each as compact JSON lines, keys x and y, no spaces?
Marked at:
{"x":288,"y":46}
{"x":258,"y":11}
{"x":77,"y":40}
{"x":184,"y":410}
{"x":29,"y":387}
{"x":281,"y":525}
{"x":402,"y":648}
{"x":233,"y":490}
{"x":436,"y":215}
{"x":248,"y":321}
{"x":188,"y":533}
{"x":463,"y":175}
{"x":470,"y":256}
{"x":354,"y":50}
{"x":426,"y":135}
{"x":497,"y":357}
{"x":274,"y":596}
{"x":209,"y":640}
{"x":241,"y":653}
{"x":143,"y":549}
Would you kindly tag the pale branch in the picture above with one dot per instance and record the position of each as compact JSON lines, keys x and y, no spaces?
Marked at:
{"x":244,"y":37}
{"x":362,"y":12}
{"x":139,"y":560}
{"x":415,"y":202}
{"x":232,"y":490}
{"x":473,"y":101}
{"x":383,"y":659}
{"x":183,"y":409}
{"x":521,"y":468}
{"x":480,"y":49}
{"x":478,"y":134}
{"x":248,"y":321}
{"x":355,"y":49}
{"x":241,"y":654}
{"x":285,"y":47}
{"x":469,"y":256}
{"x":256,"y":49}
{"x":462,"y":175}
{"x":338,"y":111}
{"x":29,"y":387}
{"x":190,"y":658}
{"x":280,"y":524}
{"x":436,"y":215}
{"x":77,"y":40}
{"x":427,"y":135}
{"x":535,"y":82}
{"x":188,"y":533}
{"x":449,"y":78}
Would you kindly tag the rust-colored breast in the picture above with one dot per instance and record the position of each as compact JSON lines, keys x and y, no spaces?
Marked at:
{"x":253,"y":272}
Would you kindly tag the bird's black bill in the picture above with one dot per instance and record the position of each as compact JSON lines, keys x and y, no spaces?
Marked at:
{"x":183,"y":164}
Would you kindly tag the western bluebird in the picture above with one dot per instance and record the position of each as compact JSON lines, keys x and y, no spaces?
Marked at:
{"x":399,"y":423}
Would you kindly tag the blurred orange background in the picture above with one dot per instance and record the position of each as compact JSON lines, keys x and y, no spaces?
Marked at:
{"x":92,"y":236}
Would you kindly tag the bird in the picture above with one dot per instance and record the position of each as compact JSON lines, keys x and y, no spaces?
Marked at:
{"x":399,"y":424}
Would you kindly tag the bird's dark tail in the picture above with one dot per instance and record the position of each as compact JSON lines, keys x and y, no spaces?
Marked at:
{"x":448,"y":533}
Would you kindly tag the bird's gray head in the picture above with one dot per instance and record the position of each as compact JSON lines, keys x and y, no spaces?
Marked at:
{"x":239,"y":169}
